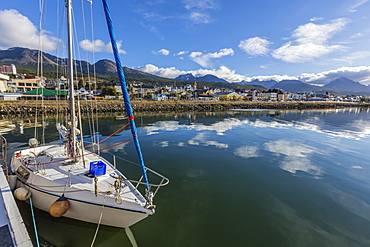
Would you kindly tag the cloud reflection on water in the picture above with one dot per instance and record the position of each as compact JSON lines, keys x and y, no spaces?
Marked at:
{"x":247,"y":152}
{"x":295,"y":156}
{"x":200,"y":139}
{"x":362,"y":128}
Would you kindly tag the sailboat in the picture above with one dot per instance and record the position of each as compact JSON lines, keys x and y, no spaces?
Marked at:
{"x":70,"y":181}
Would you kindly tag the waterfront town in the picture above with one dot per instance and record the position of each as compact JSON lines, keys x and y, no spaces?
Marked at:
{"x":14,"y":86}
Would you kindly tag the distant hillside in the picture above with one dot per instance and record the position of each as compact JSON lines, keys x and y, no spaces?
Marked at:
{"x":266,"y":84}
{"x":206,"y":78}
{"x":108,"y":68}
{"x":28,"y":59}
{"x":298,"y":86}
{"x":26,"y":62}
{"x":186,"y":77}
{"x":346,"y":85}
{"x":339,"y":86}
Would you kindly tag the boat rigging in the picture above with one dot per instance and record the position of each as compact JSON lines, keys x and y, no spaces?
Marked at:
{"x":59,"y":181}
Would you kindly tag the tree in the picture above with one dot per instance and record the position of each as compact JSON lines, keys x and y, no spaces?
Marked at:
{"x":175,"y":95}
{"x":109,"y":91}
{"x":81,"y":83}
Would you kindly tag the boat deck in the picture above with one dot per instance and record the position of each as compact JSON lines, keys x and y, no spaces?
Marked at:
{"x":77,"y":174}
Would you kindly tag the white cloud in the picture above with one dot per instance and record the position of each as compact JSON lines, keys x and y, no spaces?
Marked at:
{"x":313,"y":19}
{"x":163,"y":52}
{"x":311,"y":41}
{"x":255,"y":46}
{"x":222,"y":72}
{"x":180,"y":53}
{"x":303,"y":52}
{"x":271,"y":77}
{"x":204,"y":59}
{"x":357,"y":35}
{"x":155,"y":17}
{"x":221,"y":53}
{"x":318,"y":34}
{"x":198,"y":10}
{"x":360,"y":74}
{"x":349,"y":58}
{"x":18,"y":30}
{"x":357,"y":4}
{"x":99,"y":46}
{"x":200,"y":4}
{"x":171,"y":72}
{"x":156,"y":2}
{"x":195,"y":54}
{"x":200,"y":18}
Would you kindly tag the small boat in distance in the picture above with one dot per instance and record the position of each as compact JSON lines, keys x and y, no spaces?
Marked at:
{"x":68,"y":180}
{"x":121,"y":117}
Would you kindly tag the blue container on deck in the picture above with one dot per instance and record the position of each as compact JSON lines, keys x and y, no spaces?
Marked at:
{"x":97,"y":168}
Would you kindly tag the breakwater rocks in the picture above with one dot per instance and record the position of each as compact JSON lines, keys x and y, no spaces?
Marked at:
{"x":112,"y":106}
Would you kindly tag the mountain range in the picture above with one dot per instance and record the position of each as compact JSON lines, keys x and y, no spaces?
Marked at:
{"x":338,"y":86}
{"x":191,"y":78}
{"x":28,"y":59}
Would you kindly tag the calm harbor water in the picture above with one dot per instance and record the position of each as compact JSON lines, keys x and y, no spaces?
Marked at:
{"x":237,"y":178}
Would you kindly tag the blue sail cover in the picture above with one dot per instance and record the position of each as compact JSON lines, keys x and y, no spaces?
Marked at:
{"x":126,"y":97}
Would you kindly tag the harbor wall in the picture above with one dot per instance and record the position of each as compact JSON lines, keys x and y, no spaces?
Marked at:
{"x":114,"y":106}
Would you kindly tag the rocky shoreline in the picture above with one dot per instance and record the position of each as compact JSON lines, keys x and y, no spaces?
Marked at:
{"x":9,"y":108}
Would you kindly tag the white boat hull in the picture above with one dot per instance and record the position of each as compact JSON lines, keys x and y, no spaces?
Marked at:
{"x":89,"y":212}
{"x":91,"y":199}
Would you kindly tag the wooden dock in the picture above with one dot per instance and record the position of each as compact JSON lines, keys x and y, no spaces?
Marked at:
{"x":13,"y":231}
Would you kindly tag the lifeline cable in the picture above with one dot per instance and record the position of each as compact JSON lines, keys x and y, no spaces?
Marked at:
{"x":51,"y":162}
{"x":108,"y":136}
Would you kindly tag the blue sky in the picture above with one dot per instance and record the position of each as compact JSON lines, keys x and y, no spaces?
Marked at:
{"x":315,"y":41}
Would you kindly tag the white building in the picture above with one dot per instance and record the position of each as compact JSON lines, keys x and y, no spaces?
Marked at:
{"x":3,"y":82}
{"x":298,"y":96}
{"x":8,"y":69}
{"x":162,"y":97}
{"x":10,"y":96}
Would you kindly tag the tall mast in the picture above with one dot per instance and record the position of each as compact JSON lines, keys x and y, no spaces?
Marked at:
{"x":72,"y":137}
